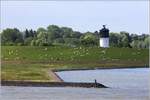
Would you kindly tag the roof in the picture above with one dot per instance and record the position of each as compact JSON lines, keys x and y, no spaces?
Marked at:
{"x":104,"y":32}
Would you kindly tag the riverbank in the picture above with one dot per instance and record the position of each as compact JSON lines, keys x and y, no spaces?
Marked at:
{"x":35,"y":63}
{"x":44,"y":72}
{"x":56,"y":81}
{"x":52,"y":84}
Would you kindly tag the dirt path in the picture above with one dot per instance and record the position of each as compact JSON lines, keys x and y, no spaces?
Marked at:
{"x":54,"y":76}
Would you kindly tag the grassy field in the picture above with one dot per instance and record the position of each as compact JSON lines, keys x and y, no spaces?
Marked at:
{"x":33,"y":63}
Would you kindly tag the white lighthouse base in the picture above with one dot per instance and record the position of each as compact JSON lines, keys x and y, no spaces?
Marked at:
{"x":104,"y":42}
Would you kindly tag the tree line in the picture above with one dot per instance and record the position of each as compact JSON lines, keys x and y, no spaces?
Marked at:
{"x":65,"y":36}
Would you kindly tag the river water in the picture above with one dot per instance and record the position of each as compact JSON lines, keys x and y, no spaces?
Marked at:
{"x":125,"y":84}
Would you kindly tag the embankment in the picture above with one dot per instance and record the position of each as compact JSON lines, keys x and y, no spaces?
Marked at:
{"x":51,"y":84}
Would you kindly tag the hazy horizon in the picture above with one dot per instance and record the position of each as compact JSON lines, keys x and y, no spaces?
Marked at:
{"x":130,"y":16}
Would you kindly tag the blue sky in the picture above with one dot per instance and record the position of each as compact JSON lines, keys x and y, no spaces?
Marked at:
{"x":130,"y":16}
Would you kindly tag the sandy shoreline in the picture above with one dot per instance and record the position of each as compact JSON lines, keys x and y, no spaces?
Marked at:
{"x":54,"y":76}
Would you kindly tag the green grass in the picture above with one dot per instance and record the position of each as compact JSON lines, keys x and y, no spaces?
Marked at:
{"x":71,"y":54}
{"x":24,"y":72}
{"x":32,"y":63}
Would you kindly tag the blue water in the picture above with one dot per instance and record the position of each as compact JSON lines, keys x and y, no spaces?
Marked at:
{"x":125,"y":84}
{"x":115,"y":78}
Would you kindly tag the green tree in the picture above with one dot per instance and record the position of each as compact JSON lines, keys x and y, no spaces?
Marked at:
{"x":41,"y":29}
{"x":53,"y":32}
{"x":72,"y":42}
{"x":27,"y":33}
{"x":11,"y":37}
{"x":147,"y":42}
{"x":125,"y":39}
{"x":28,"y":40}
{"x":115,"y":40}
{"x":67,"y":32}
{"x":42,"y":39}
{"x":134,"y":44}
{"x":89,"y":39}
{"x":75,"y":34}
{"x":59,"y":41}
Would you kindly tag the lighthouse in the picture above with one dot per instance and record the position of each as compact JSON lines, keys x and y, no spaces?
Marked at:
{"x":104,"y":37}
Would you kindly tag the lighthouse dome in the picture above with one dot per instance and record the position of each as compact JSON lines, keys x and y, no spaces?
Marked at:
{"x":104,"y":32}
